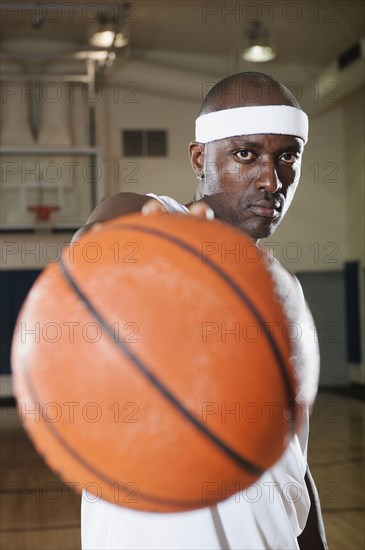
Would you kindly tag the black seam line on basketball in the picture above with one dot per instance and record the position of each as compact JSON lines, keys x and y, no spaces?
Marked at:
{"x":100,"y":475}
{"x":236,"y":457}
{"x":243,"y":297}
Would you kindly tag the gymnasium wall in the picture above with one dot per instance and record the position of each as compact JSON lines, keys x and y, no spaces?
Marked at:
{"x":166,"y":176}
{"x":354,"y":117}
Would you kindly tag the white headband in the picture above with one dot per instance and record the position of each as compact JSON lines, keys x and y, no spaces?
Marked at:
{"x":244,"y":121}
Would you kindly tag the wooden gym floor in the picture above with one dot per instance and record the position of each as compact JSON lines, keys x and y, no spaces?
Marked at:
{"x":38,"y":512}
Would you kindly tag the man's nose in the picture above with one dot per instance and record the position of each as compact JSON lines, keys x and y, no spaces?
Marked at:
{"x":267,"y":178}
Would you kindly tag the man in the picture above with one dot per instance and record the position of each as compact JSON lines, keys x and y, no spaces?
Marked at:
{"x":247,"y":158}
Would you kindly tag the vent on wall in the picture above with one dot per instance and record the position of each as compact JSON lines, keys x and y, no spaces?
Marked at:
{"x":144,"y":143}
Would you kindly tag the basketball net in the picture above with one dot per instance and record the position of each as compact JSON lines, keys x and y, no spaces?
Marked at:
{"x":43,"y":216}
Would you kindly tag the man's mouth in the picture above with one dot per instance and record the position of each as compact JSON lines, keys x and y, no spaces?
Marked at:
{"x":265,"y":209}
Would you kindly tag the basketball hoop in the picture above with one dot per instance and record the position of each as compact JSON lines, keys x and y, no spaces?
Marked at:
{"x":43,"y":216}
{"x":43,"y":211}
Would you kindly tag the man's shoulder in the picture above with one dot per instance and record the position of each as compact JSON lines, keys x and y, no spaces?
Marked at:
{"x":286,"y":283}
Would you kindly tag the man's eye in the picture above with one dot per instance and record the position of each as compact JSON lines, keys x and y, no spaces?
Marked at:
{"x":244,"y":155}
{"x":289,"y":158}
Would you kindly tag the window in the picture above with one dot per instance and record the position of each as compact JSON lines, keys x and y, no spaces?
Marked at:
{"x":144,"y":143}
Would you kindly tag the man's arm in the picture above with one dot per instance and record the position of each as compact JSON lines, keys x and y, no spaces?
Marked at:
{"x":123,"y":204}
{"x":112,"y":207}
{"x":313,"y":536}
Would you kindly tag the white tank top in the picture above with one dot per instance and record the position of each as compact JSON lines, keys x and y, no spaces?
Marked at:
{"x":169,"y":203}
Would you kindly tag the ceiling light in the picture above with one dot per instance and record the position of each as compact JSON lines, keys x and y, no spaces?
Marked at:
{"x":107,"y":39}
{"x":102,"y":39}
{"x":258,"y":47}
{"x":259,"y":54}
{"x":120,"y":40}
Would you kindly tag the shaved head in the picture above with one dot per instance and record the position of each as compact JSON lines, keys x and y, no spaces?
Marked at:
{"x":245,"y":90}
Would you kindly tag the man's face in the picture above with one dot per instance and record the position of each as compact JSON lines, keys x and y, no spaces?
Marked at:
{"x":250,"y":181}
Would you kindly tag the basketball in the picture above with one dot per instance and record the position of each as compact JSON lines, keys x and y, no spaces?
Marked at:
{"x":146,"y":366}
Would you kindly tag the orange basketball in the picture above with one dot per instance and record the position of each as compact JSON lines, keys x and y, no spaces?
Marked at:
{"x":144,"y":366}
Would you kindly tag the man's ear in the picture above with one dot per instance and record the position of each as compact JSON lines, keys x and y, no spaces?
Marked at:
{"x":196,"y":153}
